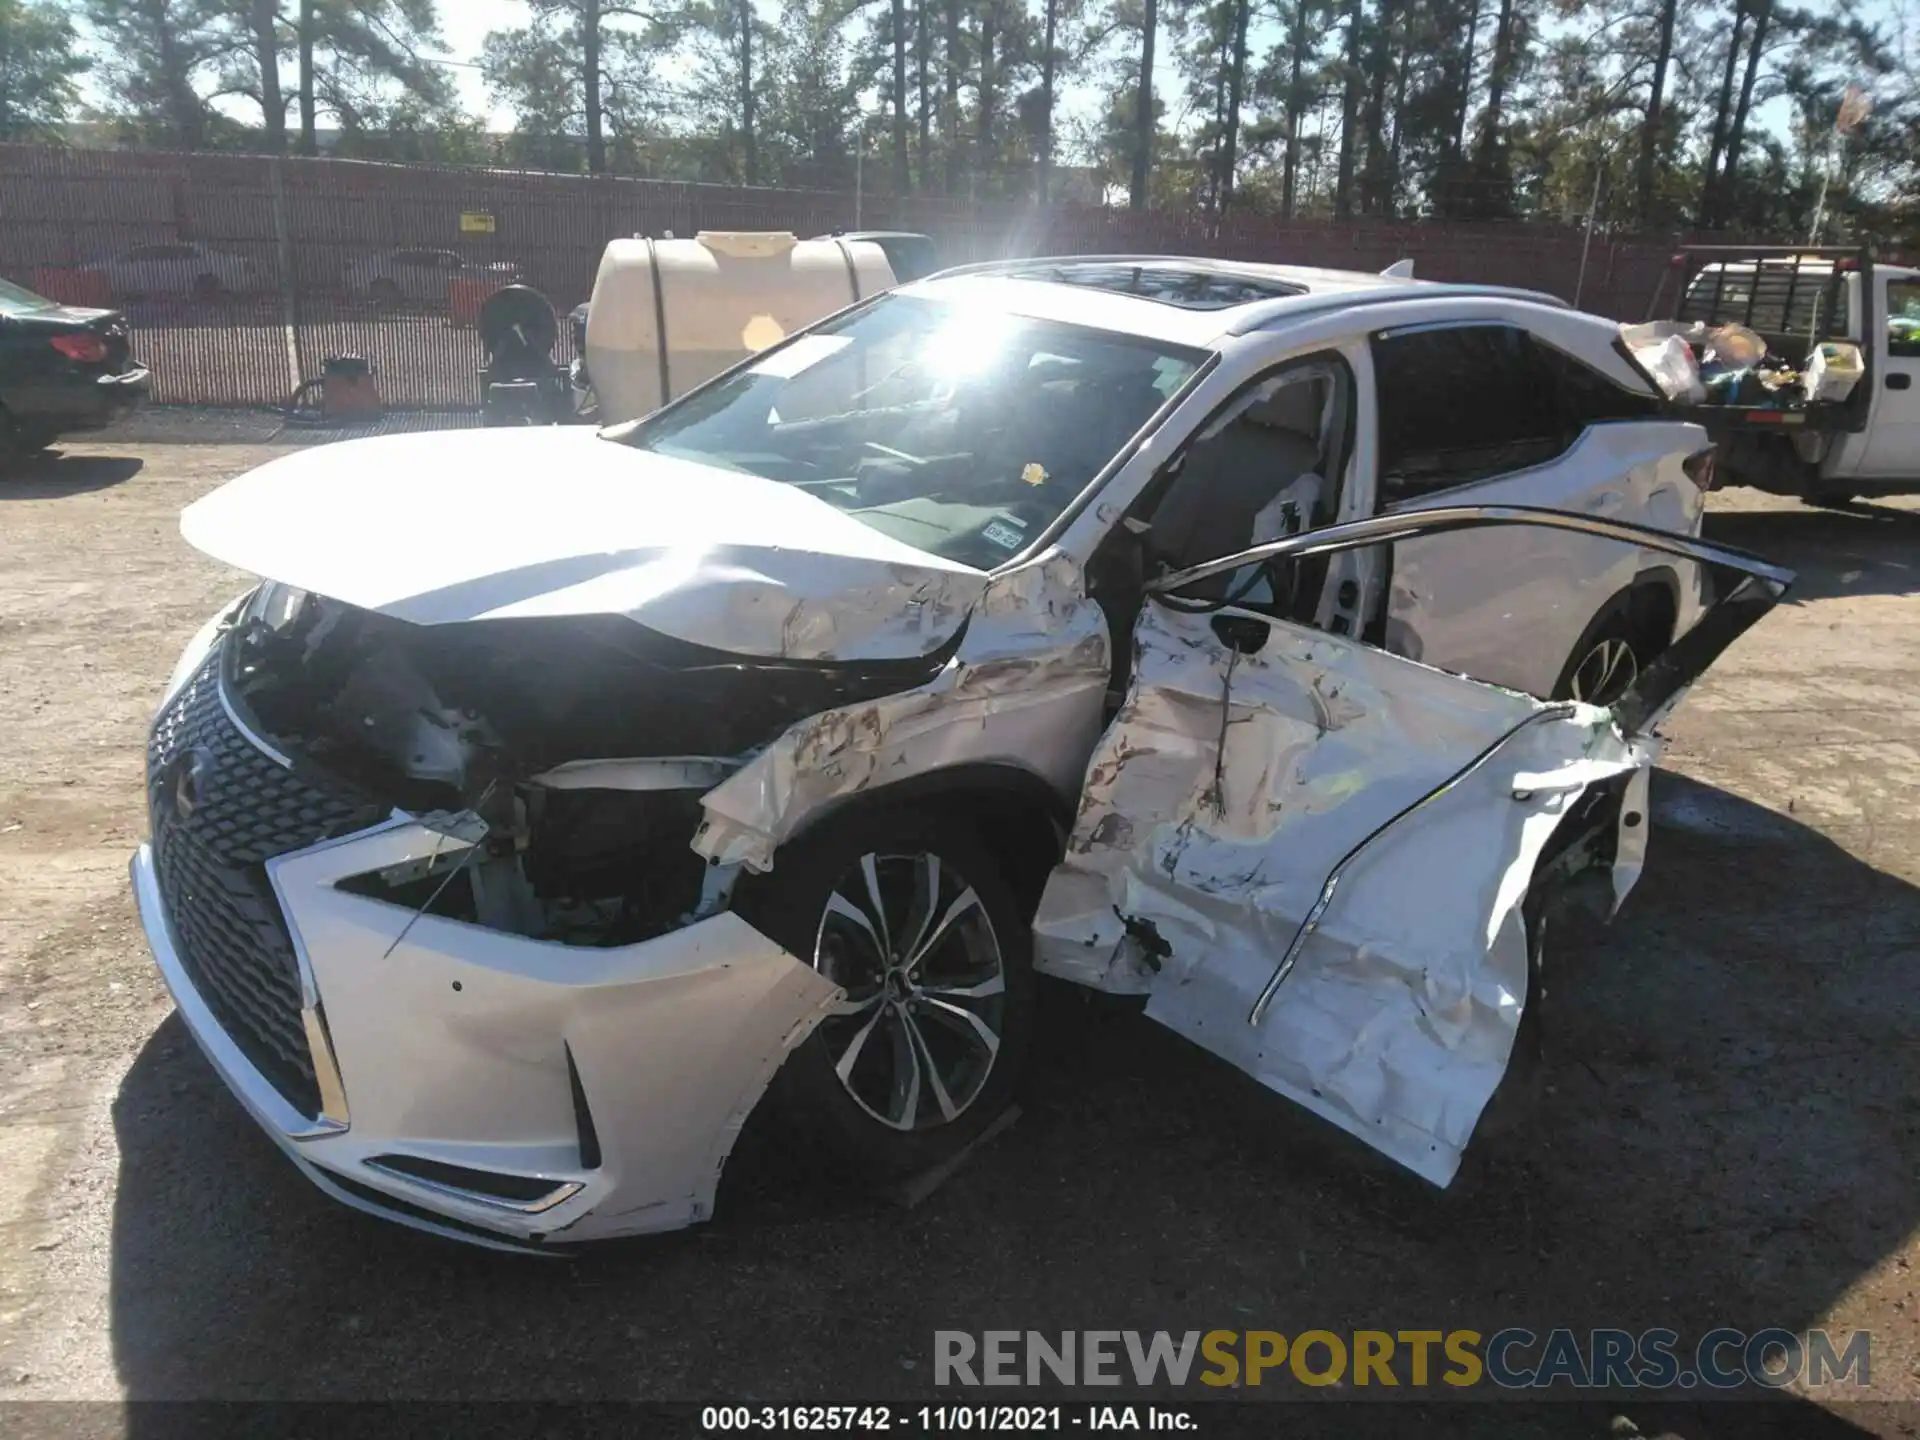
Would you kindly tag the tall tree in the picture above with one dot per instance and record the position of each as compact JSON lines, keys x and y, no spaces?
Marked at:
{"x":1143,"y":108}
{"x":986,"y":90}
{"x":1350,"y":74}
{"x":898,"y":36}
{"x":306,"y":28}
{"x":1288,"y":85}
{"x":1242,"y":12}
{"x":1377,"y":181}
{"x":811,"y":113}
{"x":580,"y":66}
{"x":1722,"y":115}
{"x":923,"y":116}
{"x":953,"y":66}
{"x":1737,"y":127}
{"x":40,"y":63}
{"x":157,"y":58}
{"x":1650,"y":130}
{"x":1049,"y":69}
{"x":1493,"y":175}
{"x":264,"y":43}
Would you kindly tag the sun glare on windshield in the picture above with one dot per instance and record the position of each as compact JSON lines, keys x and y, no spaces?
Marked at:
{"x":965,"y":433}
{"x":967,"y":345}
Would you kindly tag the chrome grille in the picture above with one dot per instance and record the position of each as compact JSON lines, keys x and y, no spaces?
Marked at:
{"x":213,"y":832}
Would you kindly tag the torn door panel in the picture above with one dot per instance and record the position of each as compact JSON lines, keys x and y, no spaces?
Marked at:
{"x":1312,"y":856}
{"x":1217,"y":757}
{"x":1217,"y":804}
{"x":1025,"y":689}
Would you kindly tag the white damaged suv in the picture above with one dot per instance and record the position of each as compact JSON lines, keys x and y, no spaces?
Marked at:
{"x":1269,"y":643}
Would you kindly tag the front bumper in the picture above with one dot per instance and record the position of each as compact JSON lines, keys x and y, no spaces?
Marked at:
{"x":603,"y":1087}
{"x":465,"y":1081}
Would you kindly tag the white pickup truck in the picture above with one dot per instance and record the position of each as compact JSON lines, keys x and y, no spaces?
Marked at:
{"x":1772,"y":437}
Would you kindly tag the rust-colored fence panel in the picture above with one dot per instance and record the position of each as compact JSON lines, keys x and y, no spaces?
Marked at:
{"x":241,"y":273}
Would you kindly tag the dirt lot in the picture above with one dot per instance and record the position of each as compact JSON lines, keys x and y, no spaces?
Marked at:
{"x":1731,"y":1137}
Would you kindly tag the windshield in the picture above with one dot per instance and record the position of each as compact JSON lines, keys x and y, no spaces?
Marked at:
{"x":962,"y":432}
{"x":16,"y":301}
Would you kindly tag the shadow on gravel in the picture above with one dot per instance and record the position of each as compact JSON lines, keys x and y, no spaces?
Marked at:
{"x":1859,"y":549}
{"x":1729,"y":1138}
{"x":70,"y":472}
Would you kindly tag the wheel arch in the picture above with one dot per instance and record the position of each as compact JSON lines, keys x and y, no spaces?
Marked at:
{"x":1650,"y":607}
{"x":1015,"y":812}
{"x":1653,"y":600}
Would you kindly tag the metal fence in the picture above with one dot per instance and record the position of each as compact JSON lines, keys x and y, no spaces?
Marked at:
{"x":242,"y":273}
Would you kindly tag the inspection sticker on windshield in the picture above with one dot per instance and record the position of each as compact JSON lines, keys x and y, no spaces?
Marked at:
{"x":802,"y":354}
{"x":1004,"y":533}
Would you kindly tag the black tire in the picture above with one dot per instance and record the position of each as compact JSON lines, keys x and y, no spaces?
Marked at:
{"x":32,"y":439}
{"x":1609,"y":657}
{"x":859,"y":1120}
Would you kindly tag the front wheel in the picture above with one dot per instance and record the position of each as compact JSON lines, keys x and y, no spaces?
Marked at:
{"x":915,"y":923}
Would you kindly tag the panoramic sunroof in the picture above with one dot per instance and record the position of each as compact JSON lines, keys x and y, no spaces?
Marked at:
{"x":1188,"y":288}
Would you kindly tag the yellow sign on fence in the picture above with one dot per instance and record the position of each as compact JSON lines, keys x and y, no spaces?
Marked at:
{"x":474,"y":222}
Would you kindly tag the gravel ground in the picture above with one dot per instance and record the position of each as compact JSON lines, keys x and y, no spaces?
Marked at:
{"x":1730,"y":1137}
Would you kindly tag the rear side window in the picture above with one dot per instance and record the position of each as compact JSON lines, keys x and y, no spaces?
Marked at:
{"x":1458,"y":404}
{"x":1468,"y":402}
{"x":1586,"y":397}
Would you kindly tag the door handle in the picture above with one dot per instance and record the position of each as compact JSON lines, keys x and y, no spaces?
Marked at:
{"x":1898,"y":381}
{"x":1242,"y":633}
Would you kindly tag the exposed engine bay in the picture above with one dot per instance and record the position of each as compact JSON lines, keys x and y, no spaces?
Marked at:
{"x":567,"y":756}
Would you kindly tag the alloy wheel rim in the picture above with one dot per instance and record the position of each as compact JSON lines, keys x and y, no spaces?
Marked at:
{"x":1606,"y":673}
{"x":918,"y":1031}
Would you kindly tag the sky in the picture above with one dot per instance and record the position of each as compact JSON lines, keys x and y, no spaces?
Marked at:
{"x":464,"y":24}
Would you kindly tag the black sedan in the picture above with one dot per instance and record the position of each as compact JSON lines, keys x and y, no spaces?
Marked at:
{"x":62,"y":370}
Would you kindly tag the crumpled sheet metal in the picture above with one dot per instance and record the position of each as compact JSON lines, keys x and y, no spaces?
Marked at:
{"x":1025,"y":689}
{"x":543,"y":522}
{"x":1399,"y":1015}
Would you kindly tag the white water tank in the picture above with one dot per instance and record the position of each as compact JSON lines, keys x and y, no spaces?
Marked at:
{"x":668,"y":314}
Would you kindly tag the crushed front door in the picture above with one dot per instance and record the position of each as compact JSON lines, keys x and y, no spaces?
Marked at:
{"x":1312,"y":855}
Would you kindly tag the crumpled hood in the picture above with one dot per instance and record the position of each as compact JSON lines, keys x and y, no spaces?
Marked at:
{"x":449,"y":526}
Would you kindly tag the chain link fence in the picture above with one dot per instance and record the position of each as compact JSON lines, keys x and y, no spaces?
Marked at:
{"x":241,"y":274}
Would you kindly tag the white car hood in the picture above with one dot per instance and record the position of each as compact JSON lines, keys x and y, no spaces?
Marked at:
{"x":449,"y":526}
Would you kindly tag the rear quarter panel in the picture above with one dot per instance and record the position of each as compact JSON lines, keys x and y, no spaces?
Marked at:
{"x":1508,"y":605}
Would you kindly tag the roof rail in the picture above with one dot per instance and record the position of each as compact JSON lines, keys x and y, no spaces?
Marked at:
{"x":995,"y":267}
{"x":1262,"y":314}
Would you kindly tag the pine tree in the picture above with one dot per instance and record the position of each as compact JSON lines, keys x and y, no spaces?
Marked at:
{"x":39,"y":65}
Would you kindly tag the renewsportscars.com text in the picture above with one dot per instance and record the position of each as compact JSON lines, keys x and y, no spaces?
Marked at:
{"x":1512,"y":1359}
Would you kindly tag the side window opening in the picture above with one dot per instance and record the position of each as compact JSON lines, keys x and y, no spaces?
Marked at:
{"x":1268,"y":465}
{"x":1256,"y":471}
{"x":1903,"y":319}
{"x":1461,"y":403}
{"x":1586,"y":397}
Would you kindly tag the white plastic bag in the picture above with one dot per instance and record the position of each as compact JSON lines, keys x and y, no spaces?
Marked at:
{"x":1667,"y":359}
